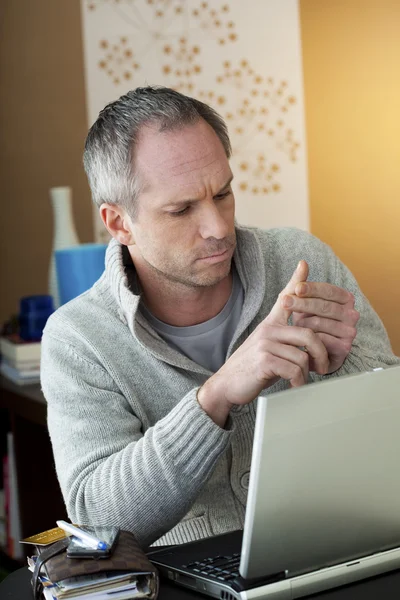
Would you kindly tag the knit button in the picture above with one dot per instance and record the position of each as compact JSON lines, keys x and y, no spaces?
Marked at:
{"x":244,"y":480}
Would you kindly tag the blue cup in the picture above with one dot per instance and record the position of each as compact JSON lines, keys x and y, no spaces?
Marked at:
{"x":33,"y":314}
{"x":78,"y":268}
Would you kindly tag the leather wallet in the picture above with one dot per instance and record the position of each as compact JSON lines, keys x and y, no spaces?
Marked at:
{"x":127,"y":556}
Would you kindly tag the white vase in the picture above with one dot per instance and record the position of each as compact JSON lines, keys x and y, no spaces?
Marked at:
{"x":64,"y":232}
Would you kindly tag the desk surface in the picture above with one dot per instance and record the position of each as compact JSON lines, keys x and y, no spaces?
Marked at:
{"x":17,"y":587}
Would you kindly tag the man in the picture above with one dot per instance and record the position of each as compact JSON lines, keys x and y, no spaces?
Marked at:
{"x":151,"y":376}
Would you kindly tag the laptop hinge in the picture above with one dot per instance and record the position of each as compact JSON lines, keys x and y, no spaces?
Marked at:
{"x":240,"y":584}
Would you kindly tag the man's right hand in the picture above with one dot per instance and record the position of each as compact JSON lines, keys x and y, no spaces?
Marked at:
{"x":270,"y":353}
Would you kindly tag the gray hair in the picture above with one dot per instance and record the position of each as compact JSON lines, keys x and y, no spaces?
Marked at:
{"x":110,"y":144}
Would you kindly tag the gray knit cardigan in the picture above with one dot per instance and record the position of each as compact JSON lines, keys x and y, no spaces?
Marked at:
{"x":132,"y":446}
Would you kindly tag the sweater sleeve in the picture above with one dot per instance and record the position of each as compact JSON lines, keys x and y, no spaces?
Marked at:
{"x":110,"y":471}
{"x":371,"y":348}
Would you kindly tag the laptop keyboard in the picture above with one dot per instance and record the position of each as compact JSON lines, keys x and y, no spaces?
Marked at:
{"x":222,"y":568}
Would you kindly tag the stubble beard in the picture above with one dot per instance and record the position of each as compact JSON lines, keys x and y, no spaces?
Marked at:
{"x":172,"y":275}
{"x":180,"y":274}
{"x":207,"y":277}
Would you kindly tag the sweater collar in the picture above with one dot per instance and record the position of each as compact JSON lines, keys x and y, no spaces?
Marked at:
{"x":250,"y":266}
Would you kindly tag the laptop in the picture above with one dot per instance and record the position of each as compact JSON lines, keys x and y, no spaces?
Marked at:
{"x":323,"y":506}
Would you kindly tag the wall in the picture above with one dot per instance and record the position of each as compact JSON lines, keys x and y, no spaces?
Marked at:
{"x":351,"y":53}
{"x":245,"y":63}
{"x":42,"y":130}
{"x":351,"y":58}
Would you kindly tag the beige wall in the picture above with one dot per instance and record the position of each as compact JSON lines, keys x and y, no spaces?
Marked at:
{"x":351,"y":57}
{"x":42,"y":131}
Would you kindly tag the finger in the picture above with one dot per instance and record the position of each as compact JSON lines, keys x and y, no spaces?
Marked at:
{"x":334,"y":345}
{"x":322,"y":308}
{"x":286,"y":370}
{"x":325,"y":291}
{"x":337,"y":349}
{"x":300,"y":337}
{"x":279,"y":314}
{"x":290,"y":354}
{"x":328,"y":326}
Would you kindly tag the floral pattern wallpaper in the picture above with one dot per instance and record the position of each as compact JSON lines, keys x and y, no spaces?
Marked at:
{"x":242,"y":58}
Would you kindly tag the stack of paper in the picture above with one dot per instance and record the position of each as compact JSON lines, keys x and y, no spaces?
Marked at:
{"x":100,"y":586}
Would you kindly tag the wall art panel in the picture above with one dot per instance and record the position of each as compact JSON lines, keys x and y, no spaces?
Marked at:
{"x":243,"y":58}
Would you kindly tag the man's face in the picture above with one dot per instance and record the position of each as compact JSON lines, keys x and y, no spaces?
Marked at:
{"x":184,"y":229}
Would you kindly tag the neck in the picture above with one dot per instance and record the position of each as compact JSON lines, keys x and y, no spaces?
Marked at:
{"x":180,"y":305}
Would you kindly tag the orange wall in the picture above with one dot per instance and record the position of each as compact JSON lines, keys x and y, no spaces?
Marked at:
{"x":351,"y":62}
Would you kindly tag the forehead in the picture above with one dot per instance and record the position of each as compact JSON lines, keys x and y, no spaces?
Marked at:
{"x":180,"y":159}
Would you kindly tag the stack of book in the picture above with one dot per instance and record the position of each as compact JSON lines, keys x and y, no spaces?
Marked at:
{"x":20,"y":360}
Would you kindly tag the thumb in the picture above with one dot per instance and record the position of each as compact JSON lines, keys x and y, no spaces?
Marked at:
{"x":280,"y":315}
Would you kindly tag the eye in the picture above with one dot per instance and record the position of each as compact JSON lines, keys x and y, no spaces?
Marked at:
{"x":178,"y":213}
{"x":222,"y":195}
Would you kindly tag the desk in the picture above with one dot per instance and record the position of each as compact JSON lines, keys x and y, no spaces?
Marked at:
{"x":385,"y":587}
{"x":27,"y":411}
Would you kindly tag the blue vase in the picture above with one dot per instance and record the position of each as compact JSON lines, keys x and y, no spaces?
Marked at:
{"x":78,"y":268}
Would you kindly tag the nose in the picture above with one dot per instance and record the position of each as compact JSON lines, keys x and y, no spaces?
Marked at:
{"x":212,"y":222}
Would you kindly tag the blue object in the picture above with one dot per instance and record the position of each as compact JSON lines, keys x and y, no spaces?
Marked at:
{"x":78,"y":268}
{"x":33,"y":314}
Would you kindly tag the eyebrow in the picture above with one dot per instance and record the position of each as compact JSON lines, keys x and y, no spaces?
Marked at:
{"x":189,"y":201}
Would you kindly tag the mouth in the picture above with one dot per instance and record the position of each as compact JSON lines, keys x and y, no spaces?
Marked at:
{"x":217,"y":257}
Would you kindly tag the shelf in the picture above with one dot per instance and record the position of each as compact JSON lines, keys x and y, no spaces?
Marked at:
{"x":25,"y":400}
{"x":40,"y":499}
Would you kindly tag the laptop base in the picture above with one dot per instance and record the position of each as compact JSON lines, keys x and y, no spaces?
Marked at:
{"x":172,"y":566}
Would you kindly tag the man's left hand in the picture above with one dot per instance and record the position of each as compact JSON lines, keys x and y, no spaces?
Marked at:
{"x":329,"y":311}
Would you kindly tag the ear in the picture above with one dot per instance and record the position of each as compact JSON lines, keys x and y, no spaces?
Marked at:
{"x":118,"y":223}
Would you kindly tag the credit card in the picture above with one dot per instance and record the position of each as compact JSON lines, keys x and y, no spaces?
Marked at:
{"x":45,"y":537}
